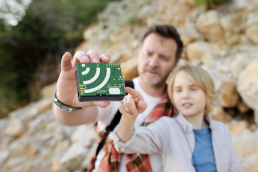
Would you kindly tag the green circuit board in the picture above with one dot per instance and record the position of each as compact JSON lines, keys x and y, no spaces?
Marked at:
{"x":99,"y":82}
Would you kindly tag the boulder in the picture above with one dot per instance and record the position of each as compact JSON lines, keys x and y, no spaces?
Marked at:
{"x":209,"y":25}
{"x":247,"y":85}
{"x":200,"y":50}
{"x":252,"y":33}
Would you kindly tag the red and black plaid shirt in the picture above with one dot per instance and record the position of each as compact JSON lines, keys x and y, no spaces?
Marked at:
{"x":134,"y":162}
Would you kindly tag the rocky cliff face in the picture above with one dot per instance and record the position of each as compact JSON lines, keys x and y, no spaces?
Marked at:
{"x":222,"y":41}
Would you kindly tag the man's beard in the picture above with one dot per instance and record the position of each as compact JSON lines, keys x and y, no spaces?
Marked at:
{"x":159,"y":82}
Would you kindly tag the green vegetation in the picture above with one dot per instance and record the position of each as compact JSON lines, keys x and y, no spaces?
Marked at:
{"x":48,"y":29}
{"x":211,"y":4}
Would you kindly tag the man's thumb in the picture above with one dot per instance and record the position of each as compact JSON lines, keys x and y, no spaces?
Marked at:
{"x":66,"y":62}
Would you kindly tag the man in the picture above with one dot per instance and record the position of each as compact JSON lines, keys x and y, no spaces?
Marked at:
{"x":158,"y":55}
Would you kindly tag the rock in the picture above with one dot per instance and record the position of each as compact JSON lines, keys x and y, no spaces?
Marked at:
{"x":216,"y":77}
{"x":3,"y":125}
{"x":190,"y":2}
{"x":4,"y":154}
{"x":145,"y":13}
{"x":209,"y":25}
{"x":237,"y":66}
{"x":62,"y":147}
{"x":63,"y":132}
{"x":29,"y":114}
{"x":15,"y":128}
{"x":232,"y":40}
{"x":15,"y":161}
{"x":72,"y":159}
{"x":5,"y":141}
{"x":232,"y":23}
{"x":252,"y":19}
{"x":219,"y":114}
{"x":200,"y":50}
{"x":49,"y":90}
{"x":241,"y":106}
{"x":84,"y":133}
{"x":39,"y":123}
{"x":135,"y":44}
{"x":46,"y":153}
{"x":237,"y":127}
{"x":252,"y":33}
{"x":90,"y":155}
{"x":245,"y":143}
{"x":228,"y":95}
{"x":115,"y":57}
{"x":31,"y":152}
{"x":44,"y":104}
{"x":240,"y":4}
{"x":56,"y":166}
{"x":19,"y":146}
{"x":91,"y":32}
{"x":129,"y":69}
{"x":247,"y":85}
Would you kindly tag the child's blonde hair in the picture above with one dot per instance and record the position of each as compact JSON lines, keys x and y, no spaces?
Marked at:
{"x":201,"y":78}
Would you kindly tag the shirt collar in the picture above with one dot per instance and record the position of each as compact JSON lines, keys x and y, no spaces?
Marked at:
{"x":187,"y":126}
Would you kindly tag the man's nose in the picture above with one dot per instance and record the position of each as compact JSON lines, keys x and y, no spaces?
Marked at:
{"x":153,"y":61}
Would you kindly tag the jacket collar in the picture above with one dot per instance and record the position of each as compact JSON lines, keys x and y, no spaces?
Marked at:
{"x":188,"y":127}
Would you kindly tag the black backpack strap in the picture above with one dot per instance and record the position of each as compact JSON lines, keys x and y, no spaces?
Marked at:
{"x":114,"y":122}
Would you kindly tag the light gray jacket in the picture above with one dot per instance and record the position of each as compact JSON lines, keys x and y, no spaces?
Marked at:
{"x":165,"y":136}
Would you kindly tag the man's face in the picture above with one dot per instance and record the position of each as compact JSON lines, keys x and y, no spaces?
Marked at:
{"x":156,"y":59}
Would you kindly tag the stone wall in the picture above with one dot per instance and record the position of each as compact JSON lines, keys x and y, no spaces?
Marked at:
{"x":222,"y":41}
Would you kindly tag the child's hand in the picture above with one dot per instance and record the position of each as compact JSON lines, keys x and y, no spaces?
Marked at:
{"x":132,"y":104}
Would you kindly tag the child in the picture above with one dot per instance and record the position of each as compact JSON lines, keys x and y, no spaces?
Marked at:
{"x":191,"y":141}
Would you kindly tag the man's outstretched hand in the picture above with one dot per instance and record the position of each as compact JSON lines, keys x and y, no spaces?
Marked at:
{"x":66,"y":84}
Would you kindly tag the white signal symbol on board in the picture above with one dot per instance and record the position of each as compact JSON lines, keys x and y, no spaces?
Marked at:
{"x":95,"y":78}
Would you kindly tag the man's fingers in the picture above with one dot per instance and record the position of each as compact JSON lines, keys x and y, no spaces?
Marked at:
{"x":135,"y":94}
{"x":91,"y":56}
{"x":122,"y":110}
{"x":104,"y":58}
{"x":66,"y":62}
{"x":94,"y":56}
{"x":80,"y":57}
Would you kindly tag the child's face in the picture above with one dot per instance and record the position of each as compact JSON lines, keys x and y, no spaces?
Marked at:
{"x":188,"y":97}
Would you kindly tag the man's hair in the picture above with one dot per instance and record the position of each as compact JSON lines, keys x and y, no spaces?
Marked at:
{"x":201,"y":79}
{"x":166,"y":31}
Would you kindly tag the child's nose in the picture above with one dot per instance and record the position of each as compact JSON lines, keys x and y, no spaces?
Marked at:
{"x":185,"y":94}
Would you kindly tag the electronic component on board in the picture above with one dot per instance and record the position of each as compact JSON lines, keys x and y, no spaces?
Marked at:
{"x":99,"y":82}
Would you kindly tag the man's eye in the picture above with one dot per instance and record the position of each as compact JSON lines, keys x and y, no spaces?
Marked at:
{"x":164,"y":58}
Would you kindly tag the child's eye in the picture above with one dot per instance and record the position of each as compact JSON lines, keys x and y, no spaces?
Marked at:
{"x":193,"y":89}
{"x":178,"y":91}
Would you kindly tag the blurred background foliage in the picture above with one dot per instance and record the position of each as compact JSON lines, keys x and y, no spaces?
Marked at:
{"x":30,"y":52}
{"x":211,"y":4}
